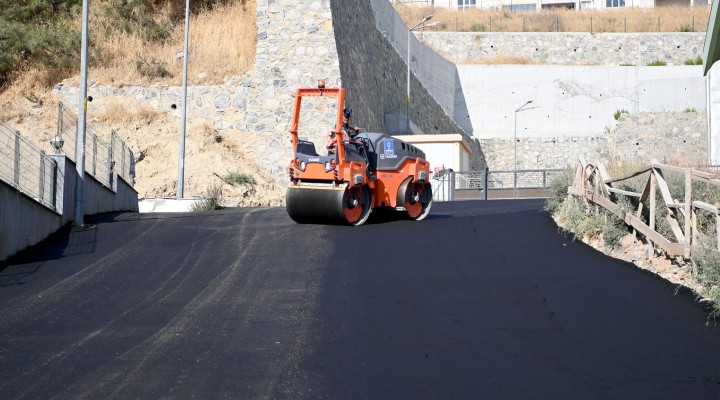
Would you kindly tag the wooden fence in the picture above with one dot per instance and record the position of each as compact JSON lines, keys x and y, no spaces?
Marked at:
{"x":593,"y":184}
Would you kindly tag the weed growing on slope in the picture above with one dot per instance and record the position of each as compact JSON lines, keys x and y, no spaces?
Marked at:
{"x":210,"y":201}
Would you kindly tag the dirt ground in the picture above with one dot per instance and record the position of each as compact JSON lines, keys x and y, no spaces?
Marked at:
{"x":154,"y":139}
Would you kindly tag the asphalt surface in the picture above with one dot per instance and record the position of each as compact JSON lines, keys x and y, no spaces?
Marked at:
{"x":483,"y":300}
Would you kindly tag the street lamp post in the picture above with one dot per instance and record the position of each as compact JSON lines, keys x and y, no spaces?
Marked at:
{"x":79,"y":209}
{"x":419,"y":25}
{"x":521,"y":108}
{"x":183,"y":123}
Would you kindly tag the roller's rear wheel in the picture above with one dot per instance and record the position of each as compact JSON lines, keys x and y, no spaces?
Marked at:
{"x":418,"y":200}
{"x":356,"y":205}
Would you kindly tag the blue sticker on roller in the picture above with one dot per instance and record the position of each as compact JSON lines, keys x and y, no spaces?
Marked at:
{"x":389,"y":147}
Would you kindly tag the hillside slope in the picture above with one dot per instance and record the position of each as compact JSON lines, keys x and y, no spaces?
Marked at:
{"x":222,"y":46}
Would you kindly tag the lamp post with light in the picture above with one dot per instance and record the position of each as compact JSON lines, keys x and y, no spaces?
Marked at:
{"x":521,"y":108}
{"x":419,"y":25}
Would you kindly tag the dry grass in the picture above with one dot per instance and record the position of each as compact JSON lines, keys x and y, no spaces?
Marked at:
{"x":117,"y":112}
{"x":502,"y":59}
{"x":222,"y":44}
{"x":665,"y":19}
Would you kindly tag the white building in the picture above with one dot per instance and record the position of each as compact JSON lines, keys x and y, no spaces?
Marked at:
{"x":524,"y":5}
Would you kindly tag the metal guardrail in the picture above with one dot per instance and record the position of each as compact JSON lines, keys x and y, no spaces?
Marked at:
{"x":521,"y":179}
{"x":101,"y":158}
{"x":447,"y":183}
{"x":27,"y":168}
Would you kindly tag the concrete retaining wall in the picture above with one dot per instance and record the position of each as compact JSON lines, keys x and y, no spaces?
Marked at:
{"x":26,"y":222}
{"x":572,"y":100}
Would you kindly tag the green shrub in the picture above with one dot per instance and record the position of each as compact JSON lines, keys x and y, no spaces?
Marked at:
{"x":211,"y":200}
{"x":34,"y":34}
{"x":690,"y":110}
{"x":152,"y":68}
{"x":615,"y":230}
{"x":657,"y":64}
{"x":559,"y":185}
{"x":707,"y":270}
{"x":618,"y":113}
{"x":572,"y":213}
{"x":685,"y":28}
{"x":239,"y":179}
{"x":694,"y":61}
{"x":477,"y":27}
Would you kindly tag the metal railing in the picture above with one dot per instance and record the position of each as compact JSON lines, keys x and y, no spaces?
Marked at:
{"x":27,"y":168}
{"x":448,"y":184}
{"x":521,"y":179}
{"x":101,"y":157}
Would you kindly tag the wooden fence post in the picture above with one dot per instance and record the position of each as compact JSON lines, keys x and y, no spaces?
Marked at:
{"x":688,"y":210}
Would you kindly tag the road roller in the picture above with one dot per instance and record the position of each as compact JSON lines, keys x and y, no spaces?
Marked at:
{"x":360,"y":172}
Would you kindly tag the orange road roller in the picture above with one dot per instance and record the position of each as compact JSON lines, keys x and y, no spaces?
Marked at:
{"x":360,"y":171}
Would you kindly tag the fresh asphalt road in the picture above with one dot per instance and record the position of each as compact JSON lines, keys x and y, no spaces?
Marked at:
{"x":483,"y":300}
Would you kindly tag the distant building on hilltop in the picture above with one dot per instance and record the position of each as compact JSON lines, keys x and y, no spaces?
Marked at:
{"x":524,"y":5}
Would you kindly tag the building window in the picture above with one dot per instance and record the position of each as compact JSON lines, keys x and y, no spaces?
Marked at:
{"x":463,"y":4}
{"x":521,"y":7}
{"x":614,"y":3}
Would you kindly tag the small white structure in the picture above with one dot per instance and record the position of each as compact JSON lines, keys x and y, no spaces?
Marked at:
{"x":448,"y":151}
{"x":444,"y":152}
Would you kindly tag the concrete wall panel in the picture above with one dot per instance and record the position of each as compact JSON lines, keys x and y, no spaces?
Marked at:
{"x":571,"y":100}
{"x":26,"y":222}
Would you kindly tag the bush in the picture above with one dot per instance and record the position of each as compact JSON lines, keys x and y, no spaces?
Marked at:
{"x":618,"y":113}
{"x":239,"y":179}
{"x":211,"y":200}
{"x":615,"y":230}
{"x":477,"y":27}
{"x":152,"y":68}
{"x":559,"y":185}
{"x":657,"y":64}
{"x":694,"y":61}
{"x":38,"y":32}
{"x":690,"y":110}
{"x":707,"y":270}
{"x":685,"y":28}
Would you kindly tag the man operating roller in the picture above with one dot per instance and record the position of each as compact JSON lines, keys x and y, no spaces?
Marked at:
{"x":349,"y":132}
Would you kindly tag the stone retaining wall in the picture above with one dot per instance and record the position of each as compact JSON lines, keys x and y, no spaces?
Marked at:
{"x":673,"y":137}
{"x":375,"y":76}
{"x":295,"y":48}
{"x":568,"y":48}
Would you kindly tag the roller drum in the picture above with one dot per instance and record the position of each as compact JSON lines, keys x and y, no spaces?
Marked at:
{"x":328,"y":205}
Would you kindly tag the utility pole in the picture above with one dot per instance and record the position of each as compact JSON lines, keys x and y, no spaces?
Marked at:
{"x":82,"y":118}
{"x":183,"y":123}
